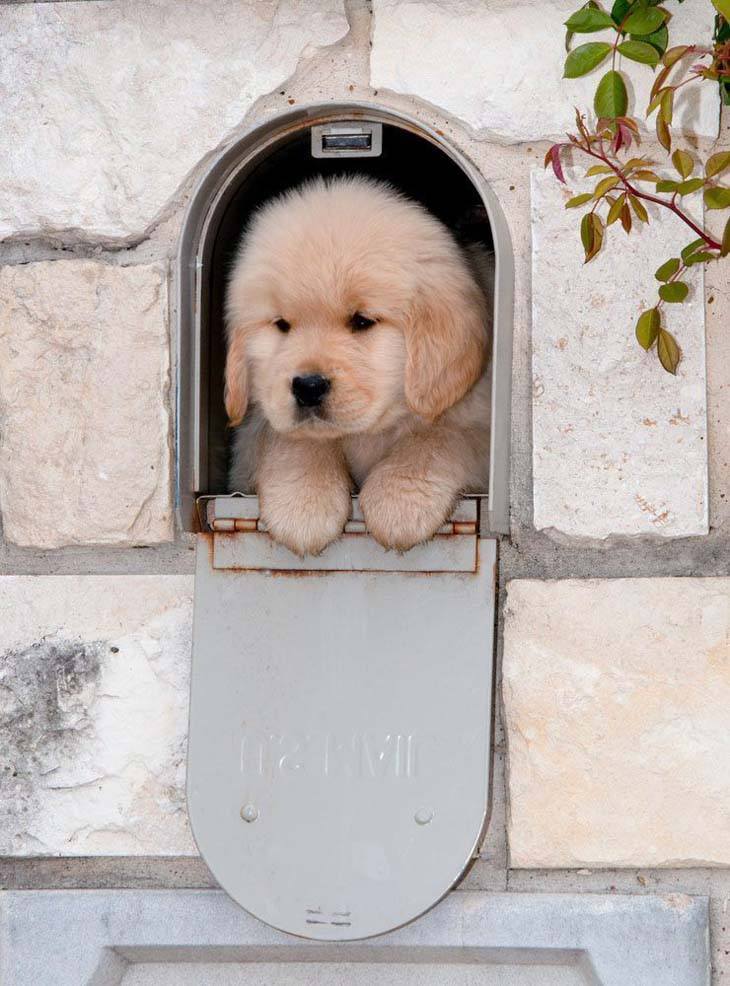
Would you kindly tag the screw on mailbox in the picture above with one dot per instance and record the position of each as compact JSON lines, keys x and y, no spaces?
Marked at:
{"x":249,"y":813}
{"x":423,"y":816}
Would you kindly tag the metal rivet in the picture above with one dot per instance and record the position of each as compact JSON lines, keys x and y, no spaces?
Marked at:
{"x":249,"y":813}
{"x":423,"y":816}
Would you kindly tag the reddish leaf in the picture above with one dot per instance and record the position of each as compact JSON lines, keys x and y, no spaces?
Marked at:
{"x":553,"y":157}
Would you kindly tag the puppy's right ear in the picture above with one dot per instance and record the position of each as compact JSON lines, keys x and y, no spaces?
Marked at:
{"x":236,"y":378}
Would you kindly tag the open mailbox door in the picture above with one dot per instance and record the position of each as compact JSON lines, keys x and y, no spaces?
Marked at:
{"x":340,"y":721}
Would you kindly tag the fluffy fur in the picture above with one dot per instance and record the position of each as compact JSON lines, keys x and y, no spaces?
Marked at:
{"x":406,"y":419}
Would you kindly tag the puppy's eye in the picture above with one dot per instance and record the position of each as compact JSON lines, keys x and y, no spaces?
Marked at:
{"x":359,"y":322}
{"x":282,"y":325}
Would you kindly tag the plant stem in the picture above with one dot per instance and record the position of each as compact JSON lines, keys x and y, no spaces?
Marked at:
{"x":671,"y":205}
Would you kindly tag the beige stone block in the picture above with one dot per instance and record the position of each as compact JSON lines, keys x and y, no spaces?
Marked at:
{"x":616,"y":696}
{"x":84,"y":379}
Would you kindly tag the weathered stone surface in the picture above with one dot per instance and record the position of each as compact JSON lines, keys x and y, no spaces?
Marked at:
{"x":107,"y":106}
{"x":498,"y":65}
{"x":184,"y":938}
{"x":93,"y":714}
{"x":616,"y":696}
{"x":84,"y":375}
{"x":619,"y":445}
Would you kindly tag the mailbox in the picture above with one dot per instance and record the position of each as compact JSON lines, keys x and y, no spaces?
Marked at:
{"x":340,"y":720}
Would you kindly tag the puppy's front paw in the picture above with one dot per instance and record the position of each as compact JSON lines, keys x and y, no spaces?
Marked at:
{"x":303,"y":522}
{"x":399,"y":512}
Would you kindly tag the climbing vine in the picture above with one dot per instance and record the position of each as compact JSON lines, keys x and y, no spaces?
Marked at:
{"x":628,"y":180}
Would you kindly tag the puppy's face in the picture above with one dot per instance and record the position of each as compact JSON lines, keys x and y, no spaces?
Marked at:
{"x":330,"y":365}
{"x":329,"y":314}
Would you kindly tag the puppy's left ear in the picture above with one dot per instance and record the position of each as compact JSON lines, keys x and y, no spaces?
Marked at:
{"x":447,"y":339}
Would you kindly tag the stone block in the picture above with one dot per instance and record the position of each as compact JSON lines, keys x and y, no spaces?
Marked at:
{"x":108,"y":106}
{"x":619,"y":445}
{"x":93,"y":715}
{"x":183,"y":938}
{"x":616,"y":696}
{"x":497,"y":65}
{"x":84,"y":379}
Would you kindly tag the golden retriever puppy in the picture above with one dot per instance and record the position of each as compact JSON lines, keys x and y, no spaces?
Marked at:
{"x":358,"y":338}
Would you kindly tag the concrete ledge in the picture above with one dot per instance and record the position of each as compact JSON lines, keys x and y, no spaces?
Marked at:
{"x":107,"y":938}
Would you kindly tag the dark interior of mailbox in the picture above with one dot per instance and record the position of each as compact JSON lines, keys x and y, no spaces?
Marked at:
{"x":411,"y":163}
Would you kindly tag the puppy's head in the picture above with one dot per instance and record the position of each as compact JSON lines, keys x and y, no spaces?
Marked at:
{"x":349,"y":308}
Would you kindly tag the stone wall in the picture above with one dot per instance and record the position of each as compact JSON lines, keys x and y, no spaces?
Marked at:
{"x":612,"y":737}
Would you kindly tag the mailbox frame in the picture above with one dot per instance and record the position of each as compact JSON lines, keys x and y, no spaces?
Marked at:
{"x":214,"y":191}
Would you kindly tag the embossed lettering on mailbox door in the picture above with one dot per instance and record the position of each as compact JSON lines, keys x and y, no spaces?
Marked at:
{"x":366,"y":755}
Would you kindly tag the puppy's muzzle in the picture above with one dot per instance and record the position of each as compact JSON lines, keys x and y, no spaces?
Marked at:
{"x":310,"y":390}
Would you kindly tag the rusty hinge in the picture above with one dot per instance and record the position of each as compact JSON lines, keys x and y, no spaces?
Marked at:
{"x":240,"y":513}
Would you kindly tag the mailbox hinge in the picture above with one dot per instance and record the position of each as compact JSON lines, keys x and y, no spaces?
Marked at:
{"x":240,"y":513}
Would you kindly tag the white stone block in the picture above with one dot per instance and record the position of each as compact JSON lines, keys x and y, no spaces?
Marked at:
{"x":616,"y":696}
{"x":108,"y":106}
{"x":497,"y":65}
{"x":93,"y":714}
{"x":84,"y":376}
{"x":619,"y":445}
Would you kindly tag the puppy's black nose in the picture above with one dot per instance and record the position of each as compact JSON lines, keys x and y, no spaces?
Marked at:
{"x":310,"y":390}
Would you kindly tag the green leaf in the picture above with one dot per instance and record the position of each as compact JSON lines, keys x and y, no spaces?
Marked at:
{"x":666,"y":106}
{"x":673,"y":55}
{"x":644,"y":21}
{"x":587,"y":20}
{"x":667,"y":269}
{"x":639,"y":51}
{"x":668,"y":351}
{"x":659,"y":39}
{"x":725,"y":247}
{"x":586,"y":232}
{"x":604,"y":186}
{"x":662,"y":130}
{"x":611,"y":99}
{"x":591,"y":233}
{"x":700,"y":258}
{"x":717,"y":198}
{"x":723,"y":6}
{"x":687,"y":187}
{"x":717,"y":163}
{"x":647,"y":328}
{"x":620,"y":9}
{"x":641,"y":214}
{"x":584,"y":58}
{"x":674,"y":293}
{"x":615,"y":211}
{"x":578,"y":200}
{"x":667,"y":186}
{"x":691,"y":247}
{"x":599,"y":169}
{"x":683,"y":162}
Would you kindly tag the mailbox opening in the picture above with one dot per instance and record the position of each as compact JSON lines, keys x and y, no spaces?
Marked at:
{"x":345,"y":141}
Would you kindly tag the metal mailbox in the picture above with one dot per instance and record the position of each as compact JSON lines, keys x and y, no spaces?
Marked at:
{"x":340,"y":721}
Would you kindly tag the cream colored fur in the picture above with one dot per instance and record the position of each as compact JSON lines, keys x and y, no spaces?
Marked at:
{"x":407,"y":417}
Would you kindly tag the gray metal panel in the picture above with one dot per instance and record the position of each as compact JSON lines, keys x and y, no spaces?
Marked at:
{"x":340,"y":730}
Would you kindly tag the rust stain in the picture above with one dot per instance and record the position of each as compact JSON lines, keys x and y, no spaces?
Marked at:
{"x":678,"y":418}
{"x":658,"y":517}
{"x":649,"y":422}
